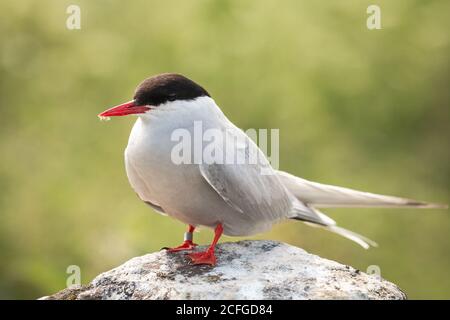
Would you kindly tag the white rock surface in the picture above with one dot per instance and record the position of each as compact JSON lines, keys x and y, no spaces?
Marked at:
{"x":245,"y":270}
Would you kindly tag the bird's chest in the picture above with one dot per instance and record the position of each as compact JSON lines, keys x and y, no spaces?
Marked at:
{"x":152,"y":170}
{"x":147,"y":158}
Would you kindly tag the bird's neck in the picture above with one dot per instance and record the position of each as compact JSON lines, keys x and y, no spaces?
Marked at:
{"x":182,"y":114}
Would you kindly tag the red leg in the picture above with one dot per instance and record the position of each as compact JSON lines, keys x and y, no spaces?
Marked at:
{"x":187,"y":244}
{"x":207,"y":257}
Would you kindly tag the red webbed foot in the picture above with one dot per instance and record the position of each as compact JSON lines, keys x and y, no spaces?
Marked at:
{"x":186,"y":246}
{"x":204,"y":257}
{"x":188,"y":243}
{"x":207,"y":257}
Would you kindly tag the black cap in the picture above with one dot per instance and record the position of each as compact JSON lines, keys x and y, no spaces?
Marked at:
{"x":167,"y":87}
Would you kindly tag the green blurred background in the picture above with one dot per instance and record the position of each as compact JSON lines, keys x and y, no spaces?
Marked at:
{"x":357,"y":108}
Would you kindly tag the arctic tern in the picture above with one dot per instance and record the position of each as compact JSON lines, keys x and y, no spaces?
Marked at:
{"x":237,"y":199}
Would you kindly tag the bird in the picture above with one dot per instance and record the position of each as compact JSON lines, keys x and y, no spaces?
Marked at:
{"x":234,"y":198}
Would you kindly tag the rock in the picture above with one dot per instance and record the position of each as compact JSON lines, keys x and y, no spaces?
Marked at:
{"x":245,"y":270}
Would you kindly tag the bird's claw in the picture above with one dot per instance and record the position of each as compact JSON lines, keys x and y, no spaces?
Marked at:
{"x":185,"y":246}
{"x":204,"y":257}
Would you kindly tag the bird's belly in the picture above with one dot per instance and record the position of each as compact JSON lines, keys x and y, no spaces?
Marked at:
{"x":178,"y":189}
{"x":185,"y":195}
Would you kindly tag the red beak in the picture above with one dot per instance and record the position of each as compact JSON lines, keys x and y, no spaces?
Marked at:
{"x":124,"y":109}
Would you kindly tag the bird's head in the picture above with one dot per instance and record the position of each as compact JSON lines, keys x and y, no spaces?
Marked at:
{"x":155,"y":91}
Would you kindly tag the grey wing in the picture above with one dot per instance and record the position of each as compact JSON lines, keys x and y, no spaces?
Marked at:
{"x":247,"y":191}
{"x":250,"y":185}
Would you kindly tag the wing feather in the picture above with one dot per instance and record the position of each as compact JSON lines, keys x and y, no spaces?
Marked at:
{"x":248,"y":183}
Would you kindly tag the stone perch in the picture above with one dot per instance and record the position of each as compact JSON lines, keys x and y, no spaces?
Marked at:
{"x":244,"y":270}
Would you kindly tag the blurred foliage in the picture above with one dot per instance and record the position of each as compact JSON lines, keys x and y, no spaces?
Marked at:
{"x":358,"y":108}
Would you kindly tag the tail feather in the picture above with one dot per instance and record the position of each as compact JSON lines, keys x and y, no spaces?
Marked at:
{"x":325,"y":222}
{"x":324,"y":196}
{"x":308,"y":195}
{"x":363,"y":241}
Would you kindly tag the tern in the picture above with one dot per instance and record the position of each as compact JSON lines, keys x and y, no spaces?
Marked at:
{"x":235,"y":198}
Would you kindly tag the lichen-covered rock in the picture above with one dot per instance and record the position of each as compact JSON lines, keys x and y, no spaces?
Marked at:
{"x":245,"y":270}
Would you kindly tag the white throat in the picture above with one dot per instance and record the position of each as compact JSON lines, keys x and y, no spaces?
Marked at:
{"x":182,"y":113}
